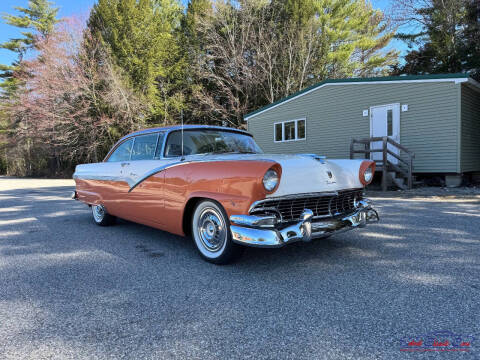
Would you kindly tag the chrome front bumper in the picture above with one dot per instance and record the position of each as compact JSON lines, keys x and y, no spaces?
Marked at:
{"x":264,"y":231}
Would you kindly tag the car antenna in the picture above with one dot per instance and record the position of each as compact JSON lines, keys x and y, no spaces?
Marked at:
{"x":181,"y":115}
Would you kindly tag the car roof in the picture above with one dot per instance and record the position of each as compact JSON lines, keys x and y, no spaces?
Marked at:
{"x":185,"y":127}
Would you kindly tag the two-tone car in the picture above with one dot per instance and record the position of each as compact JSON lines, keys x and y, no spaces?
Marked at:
{"x":217,"y":186}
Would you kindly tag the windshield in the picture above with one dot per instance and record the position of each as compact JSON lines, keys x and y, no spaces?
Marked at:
{"x":208,"y":141}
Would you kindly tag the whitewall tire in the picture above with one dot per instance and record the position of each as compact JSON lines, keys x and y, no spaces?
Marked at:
{"x":101,"y":217}
{"x":211,"y":233}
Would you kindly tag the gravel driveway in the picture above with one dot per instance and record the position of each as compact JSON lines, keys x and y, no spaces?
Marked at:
{"x":71,"y":290}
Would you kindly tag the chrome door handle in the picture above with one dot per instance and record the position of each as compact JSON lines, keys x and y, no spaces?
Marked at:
{"x":132,"y":174}
{"x":124,"y":164}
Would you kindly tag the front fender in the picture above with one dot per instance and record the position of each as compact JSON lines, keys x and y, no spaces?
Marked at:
{"x":234,"y":184}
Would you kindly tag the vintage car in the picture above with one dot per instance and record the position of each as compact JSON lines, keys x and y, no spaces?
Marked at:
{"x":215,"y":184}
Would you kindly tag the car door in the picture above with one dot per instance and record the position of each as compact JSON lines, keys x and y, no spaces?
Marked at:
{"x":114,"y":170}
{"x":145,"y":202}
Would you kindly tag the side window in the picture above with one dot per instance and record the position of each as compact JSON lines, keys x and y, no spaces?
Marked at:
{"x":122,"y":153}
{"x":173,"y":147}
{"x":144,"y":147}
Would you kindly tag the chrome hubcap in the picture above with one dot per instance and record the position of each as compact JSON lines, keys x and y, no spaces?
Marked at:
{"x":211,"y":229}
{"x":98,"y":212}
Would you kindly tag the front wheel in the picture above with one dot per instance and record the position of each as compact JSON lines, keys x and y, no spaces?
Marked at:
{"x":101,"y":217}
{"x":211,"y":234}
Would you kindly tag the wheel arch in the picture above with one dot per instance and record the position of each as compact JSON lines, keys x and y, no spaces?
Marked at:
{"x":188,"y":213}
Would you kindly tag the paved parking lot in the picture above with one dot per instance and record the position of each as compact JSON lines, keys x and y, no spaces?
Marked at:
{"x":70,"y":289}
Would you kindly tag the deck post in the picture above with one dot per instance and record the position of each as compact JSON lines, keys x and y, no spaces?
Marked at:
{"x":410,"y":171}
{"x":384,"y":164}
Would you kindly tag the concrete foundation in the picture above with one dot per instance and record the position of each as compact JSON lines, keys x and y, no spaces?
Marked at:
{"x":454,"y":180}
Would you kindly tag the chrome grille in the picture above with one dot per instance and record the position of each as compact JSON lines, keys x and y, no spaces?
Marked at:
{"x":322,"y":204}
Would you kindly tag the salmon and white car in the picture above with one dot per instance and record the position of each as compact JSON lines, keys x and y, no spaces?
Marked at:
{"x":215,"y":184}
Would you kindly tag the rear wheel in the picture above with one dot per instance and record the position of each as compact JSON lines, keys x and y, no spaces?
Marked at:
{"x":211,"y":234}
{"x":101,"y":217}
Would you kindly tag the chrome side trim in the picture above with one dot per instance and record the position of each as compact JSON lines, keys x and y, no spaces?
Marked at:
{"x":155,"y":171}
{"x":87,"y":176}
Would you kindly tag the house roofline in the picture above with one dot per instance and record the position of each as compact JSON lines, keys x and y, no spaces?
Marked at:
{"x":457,"y":78}
{"x":474,"y":83}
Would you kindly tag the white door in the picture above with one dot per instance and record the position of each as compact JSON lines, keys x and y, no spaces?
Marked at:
{"x":385,"y":121}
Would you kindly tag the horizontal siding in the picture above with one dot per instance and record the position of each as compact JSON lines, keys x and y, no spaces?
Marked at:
{"x":334,"y":116}
{"x":470,"y":141}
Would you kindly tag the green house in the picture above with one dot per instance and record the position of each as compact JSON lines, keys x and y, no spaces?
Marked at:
{"x":437,"y":117}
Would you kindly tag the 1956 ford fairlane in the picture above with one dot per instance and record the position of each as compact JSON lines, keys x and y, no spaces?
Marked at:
{"x":215,"y":184}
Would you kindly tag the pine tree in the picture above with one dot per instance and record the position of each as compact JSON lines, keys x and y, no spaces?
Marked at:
{"x":38,"y":19}
{"x":142,"y":37}
{"x":341,"y":38}
{"x":194,"y":51}
{"x":447,"y":40}
{"x":471,"y":36}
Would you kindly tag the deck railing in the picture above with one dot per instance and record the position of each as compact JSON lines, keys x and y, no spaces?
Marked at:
{"x":387,"y":166}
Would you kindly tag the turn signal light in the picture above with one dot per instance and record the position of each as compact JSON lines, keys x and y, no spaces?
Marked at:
{"x":367,"y":170}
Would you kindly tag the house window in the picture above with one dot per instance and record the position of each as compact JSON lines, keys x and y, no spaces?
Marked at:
{"x":301,"y":129}
{"x":278,"y":132}
{"x":291,"y":130}
{"x":389,"y":122}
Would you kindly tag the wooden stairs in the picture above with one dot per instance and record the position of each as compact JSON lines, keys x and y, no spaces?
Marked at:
{"x":396,"y":163}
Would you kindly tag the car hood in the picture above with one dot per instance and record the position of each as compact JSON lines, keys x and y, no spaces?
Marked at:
{"x":303,"y":173}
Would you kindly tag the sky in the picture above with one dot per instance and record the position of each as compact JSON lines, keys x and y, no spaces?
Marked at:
{"x":67,"y":8}
{"x":82,"y":8}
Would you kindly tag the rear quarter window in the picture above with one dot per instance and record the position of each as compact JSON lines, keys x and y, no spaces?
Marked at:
{"x":122,"y":152}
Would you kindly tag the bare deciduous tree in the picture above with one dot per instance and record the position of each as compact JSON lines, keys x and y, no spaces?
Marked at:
{"x":255,"y":53}
{"x":73,"y":105}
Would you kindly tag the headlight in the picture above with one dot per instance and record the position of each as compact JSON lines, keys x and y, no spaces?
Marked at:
{"x":270,"y":180}
{"x":368,"y":174}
